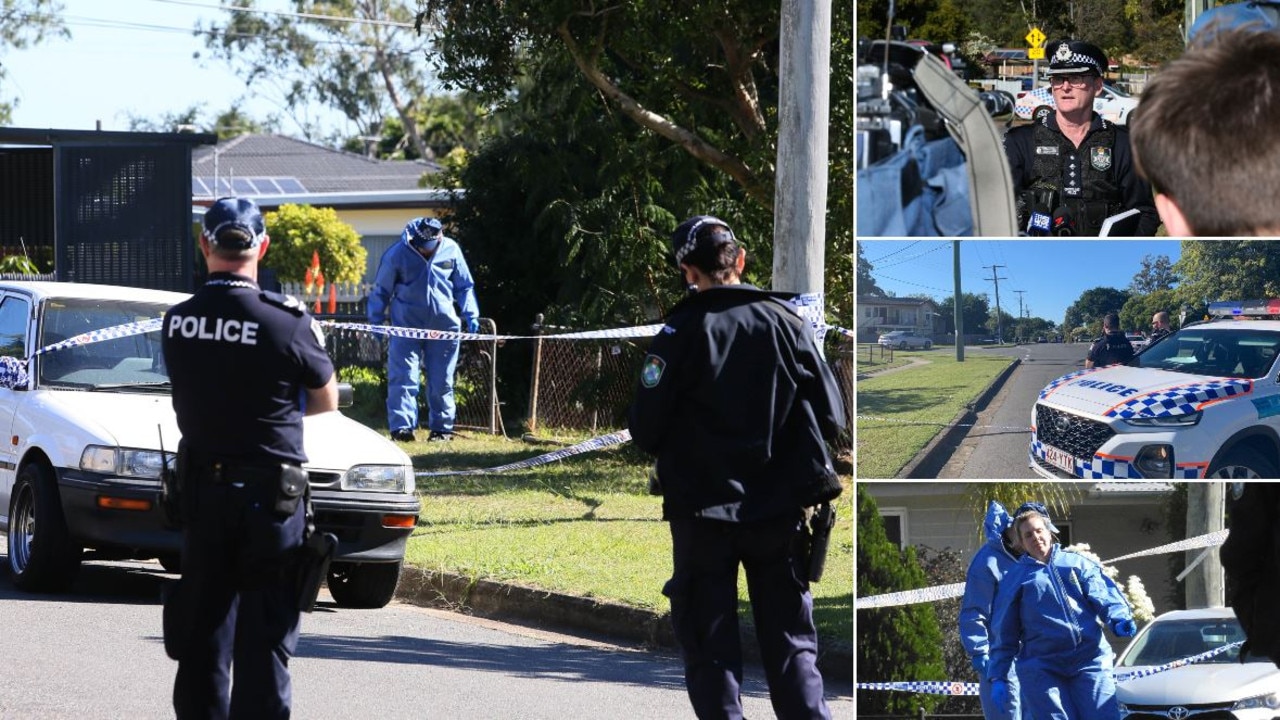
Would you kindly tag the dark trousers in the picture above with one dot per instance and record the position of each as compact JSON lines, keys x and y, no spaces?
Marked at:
{"x":704,"y":611}
{"x":237,"y":602}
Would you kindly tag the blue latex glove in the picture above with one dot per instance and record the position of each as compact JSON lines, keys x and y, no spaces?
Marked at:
{"x":979,"y":663}
{"x":473,"y":325}
{"x":1123,"y":627}
{"x":1000,"y":693}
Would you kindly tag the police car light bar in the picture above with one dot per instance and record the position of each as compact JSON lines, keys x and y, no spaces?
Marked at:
{"x":1245,"y":308}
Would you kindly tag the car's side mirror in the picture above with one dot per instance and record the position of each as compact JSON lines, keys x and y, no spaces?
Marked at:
{"x":13,"y":373}
{"x":346,"y":395}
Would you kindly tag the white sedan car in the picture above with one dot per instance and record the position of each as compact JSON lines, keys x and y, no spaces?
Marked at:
{"x":87,"y":426}
{"x":1220,"y":687}
{"x":1112,"y":103}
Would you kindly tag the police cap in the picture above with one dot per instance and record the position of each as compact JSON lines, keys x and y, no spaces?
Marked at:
{"x":1072,"y":57}
{"x":234,"y":223}
{"x":698,"y":230}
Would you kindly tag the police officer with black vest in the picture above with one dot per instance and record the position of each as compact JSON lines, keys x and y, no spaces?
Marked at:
{"x":1113,"y":348}
{"x":1072,"y":169}
{"x":735,"y":400}
{"x":246,"y":365}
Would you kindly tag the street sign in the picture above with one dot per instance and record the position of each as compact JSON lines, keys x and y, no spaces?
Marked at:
{"x":1035,"y":53}
{"x":1035,"y":39}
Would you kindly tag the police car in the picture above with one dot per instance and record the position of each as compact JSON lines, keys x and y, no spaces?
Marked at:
{"x":1201,"y":403}
{"x":1112,"y":103}
{"x":80,"y":475}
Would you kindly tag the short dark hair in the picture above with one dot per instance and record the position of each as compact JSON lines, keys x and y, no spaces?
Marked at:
{"x":1206,"y":133}
{"x":1111,"y":320}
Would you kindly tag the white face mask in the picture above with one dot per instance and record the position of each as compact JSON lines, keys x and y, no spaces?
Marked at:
{"x":426,"y":245}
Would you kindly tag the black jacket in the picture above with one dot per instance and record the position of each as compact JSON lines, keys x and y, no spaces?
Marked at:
{"x":1113,"y":348}
{"x":735,"y":400}
{"x":1251,"y":558}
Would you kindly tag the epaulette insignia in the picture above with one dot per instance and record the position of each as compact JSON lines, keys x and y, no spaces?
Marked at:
{"x":288,"y":302}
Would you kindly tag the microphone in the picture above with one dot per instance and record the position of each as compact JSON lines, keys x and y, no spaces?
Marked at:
{"x":1043,"y":199}
{"x":1063,"y":225}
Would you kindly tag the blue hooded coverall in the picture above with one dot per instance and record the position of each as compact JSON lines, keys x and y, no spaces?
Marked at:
{"x":988,"y":566}
{"x":420,"y":293}
{"x":1050,"y":616}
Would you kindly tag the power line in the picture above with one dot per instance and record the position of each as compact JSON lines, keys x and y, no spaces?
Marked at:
{"x":284,"y":13}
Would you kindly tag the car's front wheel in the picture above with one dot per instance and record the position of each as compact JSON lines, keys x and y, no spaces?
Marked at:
{"x":928,"y":345}
{"x":363,"y":585}
{"x":42,"y":556}
{"x":1242,"y":463}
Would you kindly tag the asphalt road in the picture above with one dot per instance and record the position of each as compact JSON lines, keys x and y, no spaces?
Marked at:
{"x":97,"y":653}
{"x":996,"y":447}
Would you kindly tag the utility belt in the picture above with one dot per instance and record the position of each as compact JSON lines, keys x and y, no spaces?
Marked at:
{"x":286,"y":482}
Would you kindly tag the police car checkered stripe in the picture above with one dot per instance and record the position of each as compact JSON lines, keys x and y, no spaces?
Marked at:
{"x":1048,"y":389}
{"x":1100,"y":468}
{"x":1181,"y":400}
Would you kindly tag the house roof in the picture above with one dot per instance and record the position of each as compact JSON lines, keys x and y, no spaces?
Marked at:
{"x":275,"y":165}
{"x":877,"y":300}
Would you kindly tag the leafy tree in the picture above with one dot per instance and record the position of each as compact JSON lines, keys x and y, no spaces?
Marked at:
{"x":365,"y":69}
{"x":1092,"y":304}
{"x":866,"y":283}
{"x":893,"y":643}
{"x":1228,"y":270}
{"x":1156,"y":274}
{"x":447,"y":124}
{"x":1136,"y":313}
{"x":299,"y":231}
{"x":974,"y":311}
{"x":228,"y":124}
{"x":24,"y":23}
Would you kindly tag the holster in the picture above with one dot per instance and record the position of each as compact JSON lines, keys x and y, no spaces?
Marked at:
{"x":171,"y":484}
{"x":820,"y":525}
{"x":316,"y":553}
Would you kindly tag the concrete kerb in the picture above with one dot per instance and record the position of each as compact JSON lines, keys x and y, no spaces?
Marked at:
{"x":929,"y":461}
{"x":505,"y":601}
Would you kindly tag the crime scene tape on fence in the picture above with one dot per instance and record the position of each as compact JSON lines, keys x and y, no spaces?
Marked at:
{"x":955,"y":687}
{"x":944,"y":592}
{"x":594,"y":443}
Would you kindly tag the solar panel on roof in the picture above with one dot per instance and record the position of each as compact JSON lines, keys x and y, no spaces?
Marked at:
{"x":290,"y":185}
{"x":255,"y":186}
{"x":242,"y":186}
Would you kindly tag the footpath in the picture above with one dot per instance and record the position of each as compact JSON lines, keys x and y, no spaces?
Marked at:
{"x":549,"y":610}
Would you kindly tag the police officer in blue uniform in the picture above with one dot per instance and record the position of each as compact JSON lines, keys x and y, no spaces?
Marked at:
{"x":735,"y":401}
{"x":1113,"y":348}
{"x":1072,"y":169}
{"x":419,"y":281}
{"x":246,"y":365}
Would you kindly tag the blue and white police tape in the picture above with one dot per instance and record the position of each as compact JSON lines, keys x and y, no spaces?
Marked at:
{"x":930,"y":687}
{"x":944,"y":592}
{"x":1147,"y":672}
{"x":421,"y":334}
{"x":110,"y":333}
{"x":954,"y":687}
{"x":595,"y":443}
{"x":844,"y":331}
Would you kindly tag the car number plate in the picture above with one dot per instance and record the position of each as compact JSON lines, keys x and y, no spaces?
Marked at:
{"x":1060,"y":459}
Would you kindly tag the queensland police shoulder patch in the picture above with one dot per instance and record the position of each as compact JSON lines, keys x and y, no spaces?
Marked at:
{"x":1100,"y":158}
{"x":651,"y":373}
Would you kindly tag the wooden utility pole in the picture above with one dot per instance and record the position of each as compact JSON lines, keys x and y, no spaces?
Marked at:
{"x":1206,"y":504}
{"x":800,"y":191}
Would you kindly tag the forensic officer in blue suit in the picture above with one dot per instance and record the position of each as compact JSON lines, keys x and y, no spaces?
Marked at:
{"x":989,"y":565}
{"x":246,"y":365}
{"x":1049,"y":615}
{"x":420,"y":280}
{"x":735,"y":401}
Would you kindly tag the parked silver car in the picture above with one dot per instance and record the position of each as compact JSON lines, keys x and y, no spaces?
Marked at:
{"x":1220,"y":687}
{"x":904,"y":340}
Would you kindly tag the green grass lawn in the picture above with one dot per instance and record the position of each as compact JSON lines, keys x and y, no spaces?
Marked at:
{"x":899,"y":413}
{"x":583,"y":526}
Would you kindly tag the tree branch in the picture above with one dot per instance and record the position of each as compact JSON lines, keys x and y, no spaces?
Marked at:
{"x":690,"y":141}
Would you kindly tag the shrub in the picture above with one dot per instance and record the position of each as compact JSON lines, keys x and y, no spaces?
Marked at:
{"x":892,"y":643}
{"x":299,"y":231}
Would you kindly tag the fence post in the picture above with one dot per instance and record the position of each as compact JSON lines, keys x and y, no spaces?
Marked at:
{"x":493,"y":381}
{"x":595,"y":406}
{"x":537,"y":367}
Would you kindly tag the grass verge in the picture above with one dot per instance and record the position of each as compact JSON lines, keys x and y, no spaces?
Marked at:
{"x":584,"y":526}
{"x":900,"y":413}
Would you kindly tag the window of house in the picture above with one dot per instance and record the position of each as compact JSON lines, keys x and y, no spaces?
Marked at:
{"x":895,"y":525}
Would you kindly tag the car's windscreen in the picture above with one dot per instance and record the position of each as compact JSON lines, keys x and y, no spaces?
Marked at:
{"x":1171,"y":640}
{"x":1239,"y":352}
{"x":132,"y":361}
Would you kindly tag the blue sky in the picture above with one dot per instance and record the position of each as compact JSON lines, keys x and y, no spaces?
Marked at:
{"x":126,"y":56}
{"x":1052,"y":273}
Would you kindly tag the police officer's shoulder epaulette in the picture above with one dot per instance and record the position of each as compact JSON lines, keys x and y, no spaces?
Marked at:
{"x":288,"y":302}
